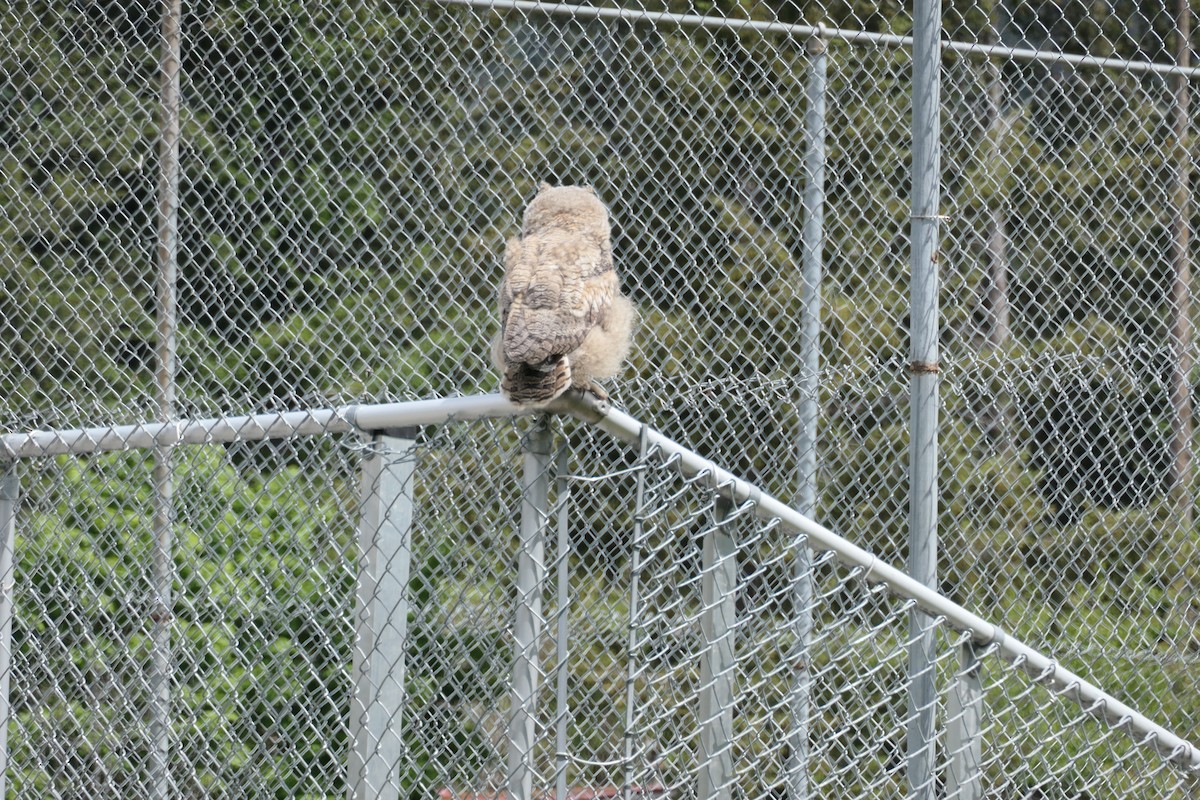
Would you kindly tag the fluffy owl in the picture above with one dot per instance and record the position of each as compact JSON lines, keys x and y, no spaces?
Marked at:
{"x":563,"y":319}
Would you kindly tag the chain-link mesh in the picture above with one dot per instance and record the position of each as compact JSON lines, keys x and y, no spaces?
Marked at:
{"x":668,"y":665}
{"x":264,"y":570}
{"x":348,"y":175}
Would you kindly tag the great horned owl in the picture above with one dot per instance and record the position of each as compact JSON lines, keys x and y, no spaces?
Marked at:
{"x":563,"y":319}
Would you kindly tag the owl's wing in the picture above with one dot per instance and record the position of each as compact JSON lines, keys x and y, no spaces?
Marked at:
{"x":600,"y":285}
{"x":558,"y":287}
{"x":504,"y":298}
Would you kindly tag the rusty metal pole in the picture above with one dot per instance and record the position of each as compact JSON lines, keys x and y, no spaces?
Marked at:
{"x":923,"y":444}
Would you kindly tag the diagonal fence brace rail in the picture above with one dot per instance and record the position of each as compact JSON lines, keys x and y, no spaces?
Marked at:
{"x":1037,"y":665}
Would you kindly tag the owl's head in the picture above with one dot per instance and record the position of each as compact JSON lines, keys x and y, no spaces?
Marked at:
{"x":575,"y":208}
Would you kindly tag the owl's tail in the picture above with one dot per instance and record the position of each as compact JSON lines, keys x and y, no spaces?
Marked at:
{"x":534,"y":384}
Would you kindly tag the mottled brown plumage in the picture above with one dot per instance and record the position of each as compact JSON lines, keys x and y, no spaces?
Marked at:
{"x":563,"y":319}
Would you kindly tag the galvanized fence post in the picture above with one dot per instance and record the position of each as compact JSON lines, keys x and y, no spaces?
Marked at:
{"x":527,"y":617}
{"x":718,"y":621}
{"x":964,"y":718}
{"x":633,"y":642}
{"x":381,"y":616}
{"x":163,"y":575}
{"x":10,"y":494}
{"x":562,"y":561}
{"x":812,"y":248}
{"x":1182,"y":356}
{"x":923,"y":445}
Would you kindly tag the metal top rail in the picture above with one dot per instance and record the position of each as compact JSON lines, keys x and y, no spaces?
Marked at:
{"x":275,"y":425}
{"x":801,"y":31}
{"x":346,"y":419}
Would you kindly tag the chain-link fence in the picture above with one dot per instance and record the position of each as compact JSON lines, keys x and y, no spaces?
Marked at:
{"x":334,"y":209}
{"x":487,"y":609}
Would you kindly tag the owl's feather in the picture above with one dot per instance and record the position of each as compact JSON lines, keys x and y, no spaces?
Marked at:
{"x":563,"y":321}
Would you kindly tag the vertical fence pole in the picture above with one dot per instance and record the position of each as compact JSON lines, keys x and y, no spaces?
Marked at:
{"x":812,"y":248}
{"x":163,"y":575}
{"x":633,"y":642}
{"x":562,"y":555}
{"x":381,"y":617}
{"x":997,"y":416}
{"x":964,"y":719}
{"x":717,"y":626}
{"x":527,"y":619}
{"x":923,"y":454}
{"x":10,"y":492}
{"x":1181,"y":288}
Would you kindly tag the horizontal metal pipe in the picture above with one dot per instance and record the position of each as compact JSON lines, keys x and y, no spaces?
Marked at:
{"x":256,"y":427}
{"x":800,"y":31}
{"x":1094,"y":701}
{"x":151,"y":434}
{"x":1006,"y":53}
{"x":435,"y":411}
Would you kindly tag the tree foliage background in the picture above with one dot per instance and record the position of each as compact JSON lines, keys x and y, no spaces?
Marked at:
{"x":350,"y":174}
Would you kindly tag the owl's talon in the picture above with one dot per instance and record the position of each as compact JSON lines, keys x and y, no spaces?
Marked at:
{"x":598,"y":391}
